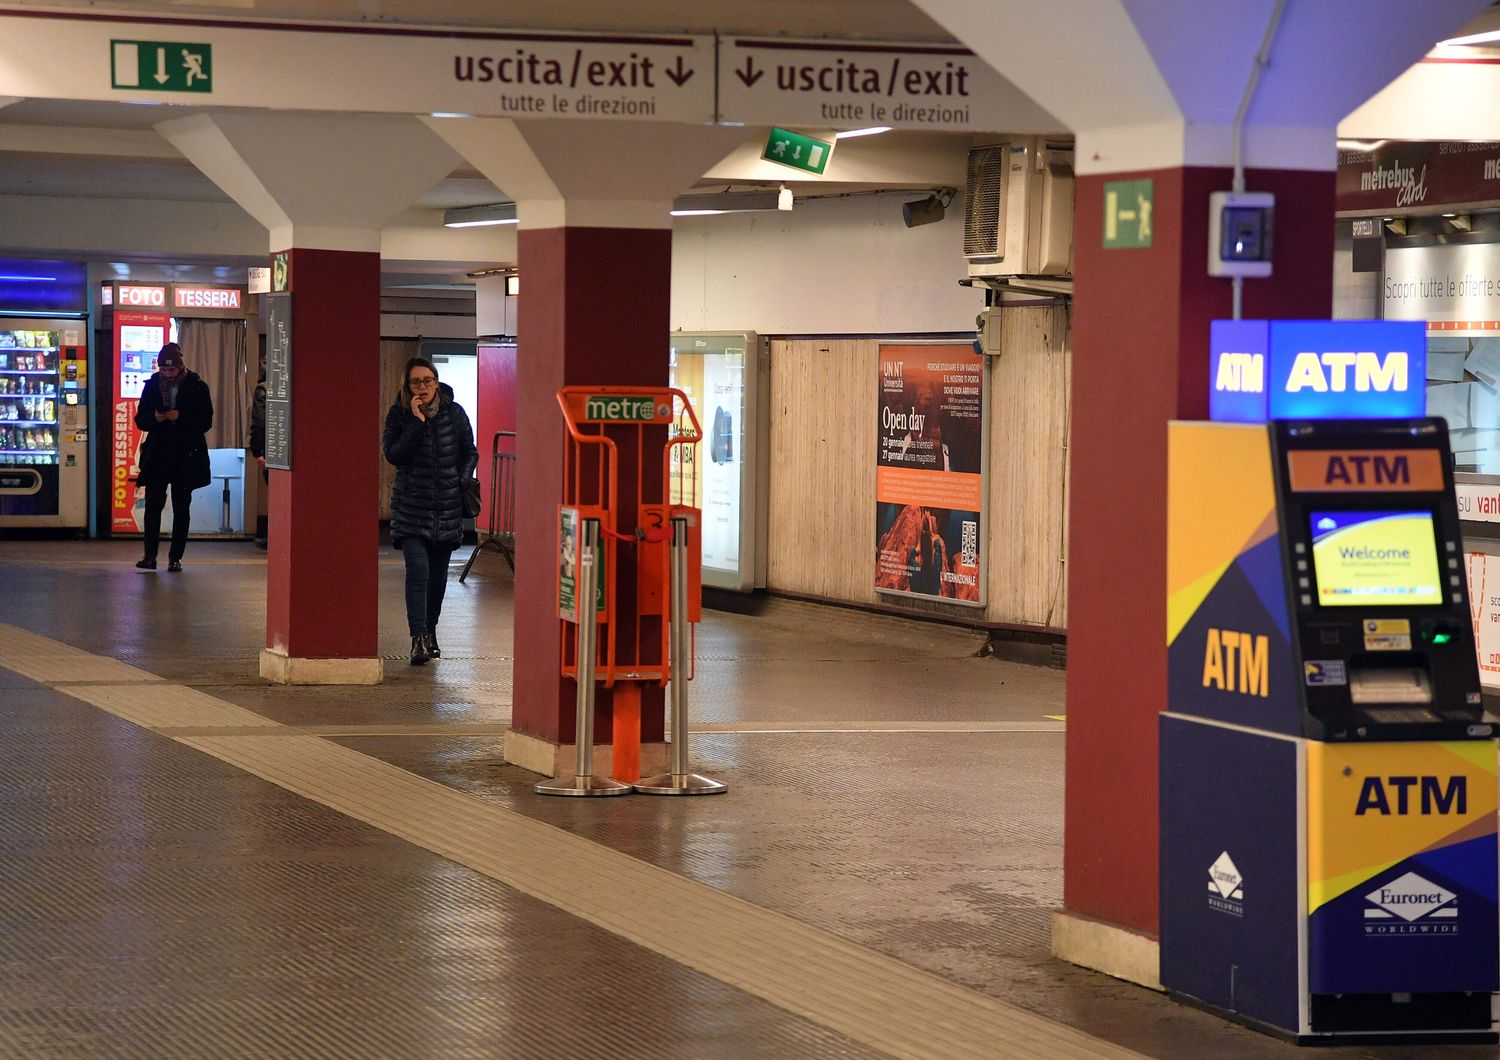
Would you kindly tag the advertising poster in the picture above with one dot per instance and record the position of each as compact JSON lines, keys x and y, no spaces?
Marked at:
{"x":138,"y":339}
{"x":929,"y":472}
{"x":1484,"y":602}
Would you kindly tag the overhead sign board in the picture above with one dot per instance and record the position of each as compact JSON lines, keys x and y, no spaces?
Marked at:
{"x":328,"y":67}
{"x":1415,"y":177}
{"x":1317,"y":369}
{"x":848,"y":84}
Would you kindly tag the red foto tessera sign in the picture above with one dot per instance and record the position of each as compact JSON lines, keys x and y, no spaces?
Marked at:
{"x":141,"y":297}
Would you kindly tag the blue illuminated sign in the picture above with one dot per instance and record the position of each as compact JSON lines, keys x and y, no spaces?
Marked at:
{"x":1317,"y":370}
{"x":32,"y":287}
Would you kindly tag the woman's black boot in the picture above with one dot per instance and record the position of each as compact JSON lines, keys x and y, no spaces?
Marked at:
{"x":419,"y":653}
{"x":433,"y":650}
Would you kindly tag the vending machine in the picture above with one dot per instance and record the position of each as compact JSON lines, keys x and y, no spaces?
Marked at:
{"x":139,"y":324}
{"x":44,"y":422}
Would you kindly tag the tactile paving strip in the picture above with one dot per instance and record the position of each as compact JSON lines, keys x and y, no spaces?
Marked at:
{"x":854,"y":991}
{"x":159,"y":903}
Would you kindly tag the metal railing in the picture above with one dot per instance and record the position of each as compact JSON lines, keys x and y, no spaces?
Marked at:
{"x":499,"y":534}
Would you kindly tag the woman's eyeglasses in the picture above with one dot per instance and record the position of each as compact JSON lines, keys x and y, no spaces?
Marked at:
{"x":422,"y":383}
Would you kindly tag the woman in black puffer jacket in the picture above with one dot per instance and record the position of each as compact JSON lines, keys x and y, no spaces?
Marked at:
{"x":429,"y":440}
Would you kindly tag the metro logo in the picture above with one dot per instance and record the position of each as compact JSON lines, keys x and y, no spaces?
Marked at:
{"x":1330,"y":372}
{"x":1252,"y":674}
{"x":1439,"y":795}
{"x":1241,"y":373}
{"x":620,"y":408}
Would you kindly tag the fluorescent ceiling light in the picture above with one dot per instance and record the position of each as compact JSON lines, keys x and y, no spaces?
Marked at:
{"x":725,"y":202}
{"x":850,"y":134}
{"x":450,"y":114}
{"x":502,"y":213}
{"x":1488,"y":37}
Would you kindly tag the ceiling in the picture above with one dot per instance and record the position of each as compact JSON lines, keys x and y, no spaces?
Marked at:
{"x":111,"y":152}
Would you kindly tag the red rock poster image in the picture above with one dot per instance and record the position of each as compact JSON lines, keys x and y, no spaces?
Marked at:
{"x":929,"y":483}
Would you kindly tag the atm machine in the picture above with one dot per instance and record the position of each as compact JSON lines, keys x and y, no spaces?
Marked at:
{"x":1328,"y":773}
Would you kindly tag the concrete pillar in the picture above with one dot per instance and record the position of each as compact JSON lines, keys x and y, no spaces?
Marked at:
{"x":595,"y":245}
{"x":323,"y":187}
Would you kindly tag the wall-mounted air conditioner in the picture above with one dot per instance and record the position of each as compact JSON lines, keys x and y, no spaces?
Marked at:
{"x":1019,"y":219}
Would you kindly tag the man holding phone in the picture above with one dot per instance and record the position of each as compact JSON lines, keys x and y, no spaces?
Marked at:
{"x":175,"y":412}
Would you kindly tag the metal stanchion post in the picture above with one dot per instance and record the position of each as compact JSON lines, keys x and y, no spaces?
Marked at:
{"x":680,"y":780}
{"x":584,"y":782}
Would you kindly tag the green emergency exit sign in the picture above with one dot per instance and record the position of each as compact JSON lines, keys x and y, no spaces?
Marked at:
{"x":161,"y":65}
{"x":798,"y":151}
{"x":1127,"y":213}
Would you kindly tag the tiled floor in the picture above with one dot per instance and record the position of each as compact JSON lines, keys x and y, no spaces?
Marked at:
{"x":159,"y":901}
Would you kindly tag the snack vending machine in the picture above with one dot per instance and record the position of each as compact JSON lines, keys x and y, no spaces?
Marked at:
{"x":44,"y":418}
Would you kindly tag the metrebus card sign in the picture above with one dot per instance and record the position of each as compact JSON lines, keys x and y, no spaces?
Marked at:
{"x":929,"y":472}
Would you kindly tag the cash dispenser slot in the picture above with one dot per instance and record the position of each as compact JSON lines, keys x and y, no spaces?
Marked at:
{"x":1385,"y":684}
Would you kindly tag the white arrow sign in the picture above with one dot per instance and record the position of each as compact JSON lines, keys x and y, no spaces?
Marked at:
{"x":161,"y":66}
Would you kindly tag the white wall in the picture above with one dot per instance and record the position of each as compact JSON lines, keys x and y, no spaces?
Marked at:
{"x":829,"y":267}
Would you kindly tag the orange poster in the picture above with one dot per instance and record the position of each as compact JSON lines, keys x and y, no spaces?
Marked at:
{"x":929,"y":472}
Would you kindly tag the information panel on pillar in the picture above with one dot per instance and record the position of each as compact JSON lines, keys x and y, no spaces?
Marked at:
{"x":279,"y":381}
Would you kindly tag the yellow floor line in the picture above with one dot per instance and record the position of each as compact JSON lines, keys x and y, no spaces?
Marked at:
{"x":864,"y":995}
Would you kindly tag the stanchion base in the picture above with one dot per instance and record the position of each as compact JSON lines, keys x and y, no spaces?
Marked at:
{"x":582,"y":786}
{"x":680,"y":784}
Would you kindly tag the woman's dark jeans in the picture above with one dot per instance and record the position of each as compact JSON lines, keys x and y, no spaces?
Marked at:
{"x":426,"y":581}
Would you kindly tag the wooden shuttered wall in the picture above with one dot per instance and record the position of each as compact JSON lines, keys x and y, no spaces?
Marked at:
{"x":822,"y":474}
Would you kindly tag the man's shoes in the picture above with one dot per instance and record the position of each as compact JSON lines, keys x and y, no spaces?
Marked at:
{"x":419,"y":653}
{"x":174,"y":566}
{"x":146,"y":564}
{"x":432,"y":646}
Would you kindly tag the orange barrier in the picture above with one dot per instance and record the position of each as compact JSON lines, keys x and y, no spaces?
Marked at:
{"x":605,"y":423}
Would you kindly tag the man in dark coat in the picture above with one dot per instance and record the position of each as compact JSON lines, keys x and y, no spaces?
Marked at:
{"x":175,"y":412}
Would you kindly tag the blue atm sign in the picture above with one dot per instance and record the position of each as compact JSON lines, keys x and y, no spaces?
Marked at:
{"x":1317,"y":370}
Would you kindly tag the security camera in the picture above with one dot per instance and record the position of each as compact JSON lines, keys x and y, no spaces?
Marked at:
{"x":922,"y":211}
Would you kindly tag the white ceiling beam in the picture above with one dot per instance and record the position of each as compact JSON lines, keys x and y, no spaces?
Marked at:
{"x":98,"y":143}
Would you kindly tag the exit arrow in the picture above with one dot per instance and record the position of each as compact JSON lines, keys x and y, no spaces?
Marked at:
{"x":749,"y":75}
{"x":161,"y":74}
{"x":680,"y":75}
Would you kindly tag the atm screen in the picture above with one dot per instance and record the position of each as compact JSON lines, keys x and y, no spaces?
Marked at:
{"x":1375,"y":558}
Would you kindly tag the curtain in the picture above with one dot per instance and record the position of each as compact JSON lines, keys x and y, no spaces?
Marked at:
{"x":216,"y":350}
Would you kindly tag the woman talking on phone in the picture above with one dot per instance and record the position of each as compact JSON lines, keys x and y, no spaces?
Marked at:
{"x":429,"y":440}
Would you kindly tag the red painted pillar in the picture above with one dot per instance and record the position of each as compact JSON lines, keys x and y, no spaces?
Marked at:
{"x":596,"y":311}
{"x":497,"y":412}
{"x":321,"y":607}
{"x":1140,"y":335}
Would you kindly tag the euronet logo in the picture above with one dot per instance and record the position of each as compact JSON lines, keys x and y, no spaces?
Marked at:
{"x":1411,"y":905}
{"x":1226,"y":887}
